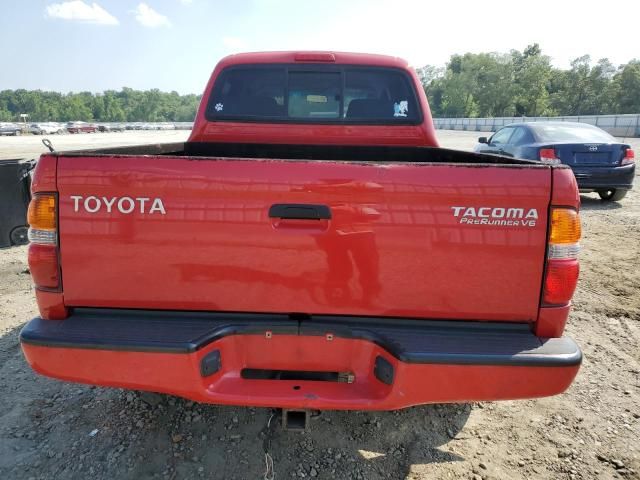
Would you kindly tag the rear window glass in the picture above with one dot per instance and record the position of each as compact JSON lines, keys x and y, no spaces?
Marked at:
{"x":314,"y":94}
{"x":572,"y":133}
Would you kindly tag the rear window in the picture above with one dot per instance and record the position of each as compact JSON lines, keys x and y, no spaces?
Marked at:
{"x":572,"y":133}
{"x":314,"y":94}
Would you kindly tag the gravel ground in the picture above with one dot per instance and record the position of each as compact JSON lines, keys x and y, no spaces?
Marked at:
{"x":51,"y":429}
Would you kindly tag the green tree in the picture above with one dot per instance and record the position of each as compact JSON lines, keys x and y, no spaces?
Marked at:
{"x":472,"y":84}
{"x":109,"y":106}
{"x":625,"y":88}
{"x":532,"y":72}
{"x":525,"y":83}
{"x":582,"y":89}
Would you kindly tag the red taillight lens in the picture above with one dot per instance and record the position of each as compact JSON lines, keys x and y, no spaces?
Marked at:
{"x":560,"y":281}
{"x":43,"y":265}
{"x":548,"y":155}
{"x":629,"y":157}
{"x":314,"y":57}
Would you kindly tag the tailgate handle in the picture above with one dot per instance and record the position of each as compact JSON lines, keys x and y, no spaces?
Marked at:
{"x":300,"y":211}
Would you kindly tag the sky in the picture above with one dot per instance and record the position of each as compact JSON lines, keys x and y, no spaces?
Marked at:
{"x":82,"y":45}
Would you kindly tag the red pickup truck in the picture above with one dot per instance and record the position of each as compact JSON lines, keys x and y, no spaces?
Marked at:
{"x":309,"y":247}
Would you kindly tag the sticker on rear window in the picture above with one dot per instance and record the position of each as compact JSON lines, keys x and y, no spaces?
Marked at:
{"x":219,"y":107}
{"x":401,"y":108}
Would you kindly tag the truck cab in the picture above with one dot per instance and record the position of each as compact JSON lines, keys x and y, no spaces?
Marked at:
{"x":319,"y":98}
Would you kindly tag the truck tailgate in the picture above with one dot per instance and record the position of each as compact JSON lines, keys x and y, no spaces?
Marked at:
{"x":428,"y":240}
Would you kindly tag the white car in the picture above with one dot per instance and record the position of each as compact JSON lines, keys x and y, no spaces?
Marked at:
{"x":46,"y":128}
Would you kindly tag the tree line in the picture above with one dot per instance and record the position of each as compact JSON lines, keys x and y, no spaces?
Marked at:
{"x":470,"y":85}
{"x":526,"y":84}
{"x":126,"y":105}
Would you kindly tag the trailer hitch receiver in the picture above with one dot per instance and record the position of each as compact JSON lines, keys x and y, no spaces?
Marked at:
{"x":295,"y":420}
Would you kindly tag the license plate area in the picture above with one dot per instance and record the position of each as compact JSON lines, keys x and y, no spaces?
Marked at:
{"x":595,"y":158}
{"x":296,"y":375}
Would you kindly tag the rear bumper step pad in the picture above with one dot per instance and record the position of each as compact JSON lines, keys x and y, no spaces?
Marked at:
{"x":410,"y":341}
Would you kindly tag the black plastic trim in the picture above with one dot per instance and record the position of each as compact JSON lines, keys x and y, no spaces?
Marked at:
{"x":453,"y":342}
{"x":383,"y":370}
{"x":408,"y":340}
{"x":300,"y":211}
{"x":210,"y":364}
{"x":149,"y":331}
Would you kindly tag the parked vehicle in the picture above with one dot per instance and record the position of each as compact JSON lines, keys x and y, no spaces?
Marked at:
{"x":599,"y":162}
{"x":10,"y":129}
{"x":47,"y":128}
{"x":111,"y":127}
{"x":81,"y":127}
{"x":309,"y":247}
{"x":14,"y":199}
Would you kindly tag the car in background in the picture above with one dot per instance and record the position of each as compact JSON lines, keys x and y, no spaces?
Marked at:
{"x":7,"y":128}
{"x":599,"y":161}
{"x":81,"y":127}
{"x":46,"y":128}
{"x":111,"y":127}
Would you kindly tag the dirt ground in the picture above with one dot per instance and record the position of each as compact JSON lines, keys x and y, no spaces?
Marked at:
{"x":51,"y":429}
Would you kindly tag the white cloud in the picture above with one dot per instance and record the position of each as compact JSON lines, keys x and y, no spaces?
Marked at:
{"x":186,"y":2}
{"x":79,"y":11}
{"x":147,"y":16}
{"x":234,"y":44}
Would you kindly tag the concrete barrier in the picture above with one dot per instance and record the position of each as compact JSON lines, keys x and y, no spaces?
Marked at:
{"x":617,"y":125}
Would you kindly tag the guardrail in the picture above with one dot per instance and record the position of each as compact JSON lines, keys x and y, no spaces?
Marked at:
{"x":616,"y":125}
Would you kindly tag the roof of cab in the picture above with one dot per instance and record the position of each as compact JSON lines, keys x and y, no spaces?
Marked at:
{"x":340,"y":58}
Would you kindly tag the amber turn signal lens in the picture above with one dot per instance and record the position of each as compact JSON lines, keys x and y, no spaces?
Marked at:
{"x":42,"y":212}
{"x":565,"y":226}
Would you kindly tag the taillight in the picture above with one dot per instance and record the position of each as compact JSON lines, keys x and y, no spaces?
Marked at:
{"x":42,"y":220}
{"x":548,"y":155}
{"x":561,"y":276}
{"x":629,"y":157}
{"x":42,"y":217}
